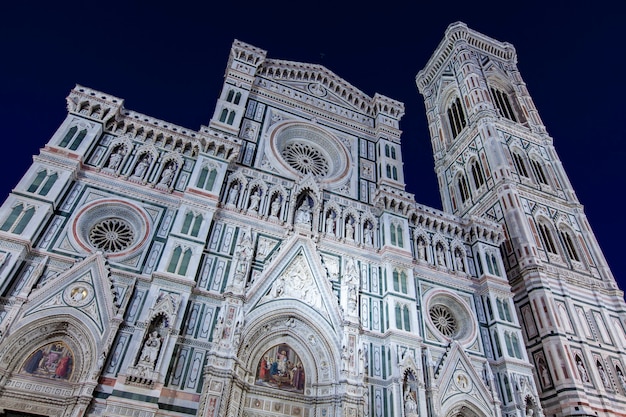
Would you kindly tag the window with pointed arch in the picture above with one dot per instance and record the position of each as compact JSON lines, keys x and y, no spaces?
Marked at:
{"x":520,"y":164}
{"x":179,"y":261}
{"x":456,"y":117}
{"x":462,"y":188}
{"x":570,"y":247}
{"x":545,"y":232}
{"x":191,"y":224}
{"x":18,"y":218}
{"x":399,"y":281}
{"x":396,"y":235}
{"x":227,"y":116}
{"x":492,"y":264}
{"x":503,"y":104}
{"x":73,"y":138}
{"x":233,"y":97}
{"x":538,"y":171}
{"x":477,"y":174}
{"x":43,"y":182}
{"x":206,"y":179}
{"x":403,"y":319}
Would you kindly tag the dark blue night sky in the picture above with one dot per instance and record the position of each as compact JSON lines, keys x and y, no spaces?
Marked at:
{"x":167,"y":60}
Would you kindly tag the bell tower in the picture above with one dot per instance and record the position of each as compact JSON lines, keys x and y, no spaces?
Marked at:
{"x":495,"y":159}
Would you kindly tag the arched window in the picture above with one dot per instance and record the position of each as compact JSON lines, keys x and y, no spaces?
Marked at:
{"x":36,"y":185}
{"x":463,"y":188}
{"x":18,"y":219}
{"x":538,"y":171}
{"x":516,"y":349}
{"x":398,"y":316}
{"x":72,"y":139}
{"x":223,"y":115}
{"x":388,"y":171}
{"x":395,"y":173}
{"x":387,"y":151}
{"x":174,"y":259}
{"x":177,"y":265}
{"x":230,"y":96}
{"x":569,"y":246}
{"x":206,"y":179}
{"x":407,"y":318}
{"x":509,"y":345}
{"x":197,"y":223}
{"x":546,"y":237}
{"x":403,"y":282}
{"x":456,"y":117}
{"x":393,"y":152}
{"x":231,"y":117}
{"x":396,"y":280}
{"x":187,"y":223}
{"x":503,"y":104}
{"x":237,"y":98}
{"x":477,"y":174}
{"x":520,"y":165}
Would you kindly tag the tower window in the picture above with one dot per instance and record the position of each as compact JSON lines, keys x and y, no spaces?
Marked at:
{"x":538,"y":171}
{"x":206,"y":179}
{"x":477,"y":175}
{"x":42,"y":183}
{"x":456,"y":117}
{"x":520,"y":165}
{"x":546,"y":237}
{"x":179,"y":262}
{"x":569,"y":246}
{"x":463,"y":188}
{"x":503,"y":104}
{"x":18,"y":219}
{"x":72,"y":138}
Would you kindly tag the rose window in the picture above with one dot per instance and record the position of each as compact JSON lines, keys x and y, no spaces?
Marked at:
{"x":443,"y":319}
{"x":111,"y":235}
{"x":305,"y":158}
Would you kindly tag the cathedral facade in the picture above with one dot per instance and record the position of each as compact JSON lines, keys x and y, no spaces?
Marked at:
{"x":272,"y":263}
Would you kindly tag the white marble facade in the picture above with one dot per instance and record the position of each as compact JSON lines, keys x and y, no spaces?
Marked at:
{"x":272,"y":264}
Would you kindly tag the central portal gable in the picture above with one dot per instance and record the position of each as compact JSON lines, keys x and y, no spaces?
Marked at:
{"x":297,"y":276}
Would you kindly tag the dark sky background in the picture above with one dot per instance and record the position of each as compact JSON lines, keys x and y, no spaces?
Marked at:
{"x":167,"y":60}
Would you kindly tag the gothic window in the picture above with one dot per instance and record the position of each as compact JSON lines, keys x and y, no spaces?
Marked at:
{"x":72,"y":138}
{"x":18,"y":219}
{"x":233,"y":97}
{"x":179,"y":262}
{"x":387,"y":151}
{"x":500,"y":308}
{"x":231,"y":118}
{"x":206,"y":180}
{"x":398,"y":316}
{"x":516,"y":347}
{"x":520,"y":165}
{"x":509,"y":345}
{"x":403,"y":283}
{"x":477,"y":175}
{"x":503,"y":104}
{"x":394,"y":173}
{"x":569,"y":246}
{"x":42,"y":183}
{"x":237,"y":98}
{"x":463,"y":188}
{"x":388,"y":171}
{"x":223,"y":115}
{"x":456,"y":117}
{"x":496,"y":340}
{"x":399,"y":281}
{"x":230,"y":96}
{"x":396,"y":280}
{"x":492,"y":264}
{"x":546,"y":237}
{"x":538,"y":171}
{"x":407,"y":318}
{"x":191,"y":224}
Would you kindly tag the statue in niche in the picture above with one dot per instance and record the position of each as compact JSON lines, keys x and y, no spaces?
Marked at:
{"x":330,"y":223}
{"x":167,"y":175}
{"x":151,"y":348}
{"x":233,"y":192}
{"x":410,"y":405}
{"x":368,"y":234}
{"x":421,"y":249}
{"x":275,"y":206}
{"x":254,"y":200}
{"x":440,"y":257}
{"x":115,"y":159}
{"x":581,"y":370}
{"x":459,"y":261}
{"x":349,"y":229}
{"x":304,"y":213}
{"x":142,"y":167}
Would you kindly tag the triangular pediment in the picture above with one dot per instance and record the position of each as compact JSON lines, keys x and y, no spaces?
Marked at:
{"x":83,"y":291}
{"x":296,"y":277}
{"x":460,"y":382}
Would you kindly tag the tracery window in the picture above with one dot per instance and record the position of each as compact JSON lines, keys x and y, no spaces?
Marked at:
{"x":546,"y":237}
{"x":503,"y":104}
{"x":112,"y":235}
{"x":191,"y":224}
{"x":463,"y":188}
{"x":456,"y":117}
{"x":399,"y":281}
{"x":477,"y":174}
{"x":73,"y":138}
{"x":206,"y":179}
{"x":42,"y":183}
{"x":538,"y":171}
{"x":18,"y":219}
{"x":179,"y":262}
{"x":569,"y":246}
{"x":444,"y":320}
{"x":520,"y":165}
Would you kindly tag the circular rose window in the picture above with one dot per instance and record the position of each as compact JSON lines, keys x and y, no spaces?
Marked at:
{"x":450,"y":316}
{"x":112,"y":235}
{"x":115,"y":227}
{"x":307,"y":149}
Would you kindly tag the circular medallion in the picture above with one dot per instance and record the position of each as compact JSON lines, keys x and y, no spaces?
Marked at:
{"x":78,"y":294}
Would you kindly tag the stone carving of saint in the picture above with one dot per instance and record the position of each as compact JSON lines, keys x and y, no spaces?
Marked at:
{"x":151,"y":348}
{"x":330,"y":224}
{"x":421,"y":249}
{"x":440,"y":260}
{"x":582,"y":371}
{"x":275,"y":207}
{"x":166,"y":176}
{"x":232,"y":193}
{"x":115,"y":159}
{"x":303,"y":215}
{"x":603,"y":376}
{"x":459,"y":261}
{"x":410,"y":406}
{"x":369,"y":235}
{"x":141,"y":167}
{"x":349,"y":230}
{"x":254,"y":201}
